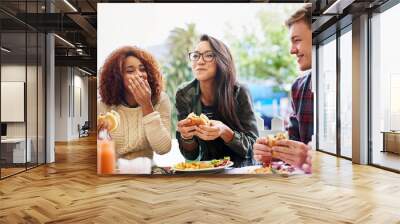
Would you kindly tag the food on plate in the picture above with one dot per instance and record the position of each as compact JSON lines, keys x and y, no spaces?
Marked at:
{"x":262,"y":170}
{"x":111,"y":117}
{"x":277,"y":167}
{"x":281,"y":167}
{"x":198,"y":120}
{"x":195,"y":165}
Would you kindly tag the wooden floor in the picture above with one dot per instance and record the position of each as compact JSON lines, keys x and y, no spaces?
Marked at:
{"x":69,"y":191}
{"x":5,"y":172}
{"x":10,"y":171}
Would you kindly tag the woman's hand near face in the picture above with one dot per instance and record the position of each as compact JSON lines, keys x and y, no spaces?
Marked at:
{"x":141,"y":90}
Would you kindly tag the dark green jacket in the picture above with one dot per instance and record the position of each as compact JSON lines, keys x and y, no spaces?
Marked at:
{"x":240,"y":149}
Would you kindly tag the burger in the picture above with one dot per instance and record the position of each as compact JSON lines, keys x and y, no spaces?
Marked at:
{"x":198,"y":120}
{"x":271,"y":140}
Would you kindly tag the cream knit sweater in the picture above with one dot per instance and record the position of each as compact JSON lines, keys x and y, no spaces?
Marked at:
{"x":138,"y":136}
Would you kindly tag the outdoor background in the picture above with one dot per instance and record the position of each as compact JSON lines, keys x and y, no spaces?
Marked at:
{"x":254,"y":32}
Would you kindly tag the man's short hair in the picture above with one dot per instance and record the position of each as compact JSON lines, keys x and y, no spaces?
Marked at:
{"x":303,"y":14}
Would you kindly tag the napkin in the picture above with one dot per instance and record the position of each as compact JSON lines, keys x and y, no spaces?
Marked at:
{"x":140,"y":165}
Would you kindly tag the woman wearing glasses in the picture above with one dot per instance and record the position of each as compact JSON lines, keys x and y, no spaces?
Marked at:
{"x":131,"y":84}
{"x":216,"y":93}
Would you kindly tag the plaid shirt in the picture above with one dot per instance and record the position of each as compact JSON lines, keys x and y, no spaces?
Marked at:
{"x":301,"y":127}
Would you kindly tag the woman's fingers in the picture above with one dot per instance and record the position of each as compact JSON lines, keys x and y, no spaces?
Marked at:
{"x":185,"y":122}
{"x":143,"y":84}
{"x":187,"y":131}
{"x":147,"y":84}
{"x":135,"y":86}
{"x":132,"y":88}
{"x":206,"y":135}
{"x":208,"y":128}
{"x":208,"y":131}
{"x":138,"y":85}
{"x":141,"y":89}
{"x":209,"y":135}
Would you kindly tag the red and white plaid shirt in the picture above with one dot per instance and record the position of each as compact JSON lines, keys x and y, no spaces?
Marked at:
{"x":301,"y":125}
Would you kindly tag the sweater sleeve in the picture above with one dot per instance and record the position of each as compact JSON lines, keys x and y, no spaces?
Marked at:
{"x":157,"y":126}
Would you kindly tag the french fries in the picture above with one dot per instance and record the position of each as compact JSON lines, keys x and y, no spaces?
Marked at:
{"x":195,"y":165}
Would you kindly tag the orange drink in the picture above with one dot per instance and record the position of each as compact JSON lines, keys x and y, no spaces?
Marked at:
{"x":105,"y":156}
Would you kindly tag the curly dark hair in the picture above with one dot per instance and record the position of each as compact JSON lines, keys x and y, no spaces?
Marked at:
{"x":111,"y":87}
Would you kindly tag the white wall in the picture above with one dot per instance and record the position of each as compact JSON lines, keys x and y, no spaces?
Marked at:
{"x":16,"y":73}
{"x":61,"y":103}
{"x":12,"y":73}
{"x":33,"y":127}
{"x":70,"y":83}
{"x":80,"y":89}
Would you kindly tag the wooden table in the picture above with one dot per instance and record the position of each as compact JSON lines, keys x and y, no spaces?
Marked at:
{"x":229,"y":170}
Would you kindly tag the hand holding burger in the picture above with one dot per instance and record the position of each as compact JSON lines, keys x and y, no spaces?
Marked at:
{"x":187,"y":126}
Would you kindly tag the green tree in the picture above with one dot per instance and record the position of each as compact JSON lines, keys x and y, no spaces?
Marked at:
{"x":176,"y":66}
{"x":265,"y":54}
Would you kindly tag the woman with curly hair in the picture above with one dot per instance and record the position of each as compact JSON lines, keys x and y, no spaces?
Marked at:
{"x":131,"y":84}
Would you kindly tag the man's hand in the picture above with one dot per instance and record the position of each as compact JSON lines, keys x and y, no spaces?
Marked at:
{"x":262,"y":152}
{"x":294,"y":153}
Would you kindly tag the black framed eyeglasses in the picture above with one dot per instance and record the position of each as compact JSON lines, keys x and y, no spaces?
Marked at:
{"x":208,"y":56}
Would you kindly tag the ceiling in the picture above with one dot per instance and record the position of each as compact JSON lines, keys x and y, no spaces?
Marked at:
{"x":75,"y":43}
{"x":75,"y":21}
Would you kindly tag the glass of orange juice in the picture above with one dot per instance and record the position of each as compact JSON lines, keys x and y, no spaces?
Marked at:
{"x":105,"y":156}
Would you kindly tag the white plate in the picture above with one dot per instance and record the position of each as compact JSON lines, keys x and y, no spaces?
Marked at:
{"x":204,"y":170}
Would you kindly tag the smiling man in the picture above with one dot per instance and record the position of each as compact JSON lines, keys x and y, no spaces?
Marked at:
{"x":296,"y":151}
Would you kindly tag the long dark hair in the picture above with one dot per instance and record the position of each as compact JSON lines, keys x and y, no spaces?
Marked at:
{"x":225,"y":82}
